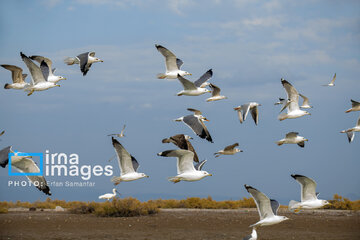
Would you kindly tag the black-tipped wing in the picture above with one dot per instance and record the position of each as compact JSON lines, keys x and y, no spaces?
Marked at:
{"x":231,"y":147}
{"x":16,"y":73}
{"x":354,"y":103}
{"x":179,"y":63}
{"x":84,"y":66}
{"x":308,"y":187}
{"x":205,"y":77}
{"x":170,"y":58}
{"x":262,"y":202}
{"x":197,"y":126}
{"x":180,"y":141}
{"x":35,"y":71}
{"x":255,"y":114}
{"x":199,"y":165}
{"x":187,"y":85}
{"x":292,"y":95}
{"x":45,"y":69}
{"x":195,"y":111}
{"x":39,"y":59}
{"x":274,"y":206}
{"x":124,"y":158}
{"x":215,"y":90}
{"x":4,"y":156}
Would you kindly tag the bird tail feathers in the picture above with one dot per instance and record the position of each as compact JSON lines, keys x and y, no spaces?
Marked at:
{"x":279,"y":143}
{"x":161,"y":76}
{"x":174,"y":179}
{"x":293,"y":205}
{"x":115,"y":180}
{"x":70,"y":60}
{"x":7,"y":86}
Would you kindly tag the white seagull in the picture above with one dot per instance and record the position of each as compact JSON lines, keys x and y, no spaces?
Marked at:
{"x":185,"y":167}
{"x":109,"y":196}
{"x":351,"y":131}
{"x":215,"y":93}
{"x":309,"y":198}
{"x":195,"y":122}
{"x":195,"y":88}
{"x":305,"y":103}
{"x":172,"y":63}
{"x":253,"y":235}
{"x":47,"y":71}
{"x":119,"y":135}
{"x":243,"y":111}
{"x":229,"y":150}
{"x":182,"y":141}
{"x":84,"y":60}
{"x":17,"y":76}
{"x":24,"y":164}
{"x":293,"y":110}
{"x":332,"y":83}
{"x":38,"y":80}
{"x":355,"y":106}
{"x":292,"y":138}
{"x":267,"y":208}
{"x":127,"y":163}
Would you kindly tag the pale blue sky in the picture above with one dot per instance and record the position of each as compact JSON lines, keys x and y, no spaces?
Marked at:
{"x":249,"y":45}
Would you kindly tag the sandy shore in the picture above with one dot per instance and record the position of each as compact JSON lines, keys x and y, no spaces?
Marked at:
{"x":179,"y":224}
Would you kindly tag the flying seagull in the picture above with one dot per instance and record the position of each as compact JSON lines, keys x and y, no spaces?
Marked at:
{"x":229,"y":150}
{"x":172,"y":63}
{"x":284,"y":103}
{"x":267,"y":208}
{"x":195,"y":122}
{"x":293,"y":110}
{"x":17,"y":76}
{"x":182,"y":141}
{"x":309,"y":198}
{"x":109,"y":196}
{"x":253,"y":235}
{"x":24,"y":164}
{"x":305,"y":103}
{"x":84,"y":60}
{"x":194,"y":88}
{"x":127,"y":163}
{"x":39,"y":80}
{"x":120,"y":135}
{"x":47,"y":70}
{"x":332,"y":83}
{"x":351,"y":131}
{"x":292,"y":138}
{"x":215,"y":93}
{"x":244,"y":109}
{"x":185,"y":167}
{"x":355,"y":106}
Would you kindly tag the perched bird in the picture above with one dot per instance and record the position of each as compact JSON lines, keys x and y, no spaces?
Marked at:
{"x":267,"y":208}
{"x":120,"y":135}
{"x":172,"y":63}
{"x":305,"y":103}
{"x":355,"y":106}
{"x":109,"y":196}
{"x":194,"y":88}
{"x":293,"y":110}
{"x":195,"y":122}
{"x":24,"y":164}
{"x":182,"y":141}
{"x":17,"y":76}
{"x":185,"y":167}
{"x":215,"y":94}
{"x":243,"y":111}
{"x":39,"y":81}
{"x":284,"y":103}
{"x":47,"y":71}
{"x":292,"y":138}
{"x":351,"y":131}
{"x":332,"y":83}
{"x":229,"y":150}
{"x":84,"y":60}
{"x":253,"y":235}
{"x":127,"y":163}
{"x":309,"y":198}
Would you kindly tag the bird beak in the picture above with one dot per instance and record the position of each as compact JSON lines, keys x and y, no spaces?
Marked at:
{"x":190,"y":74}
{"x":64,"y":78}
{"x":147,"y":176}
{"x":210,"y":174}
{"x":306,"y":139}
{"x":206,"y":120}
{"x":57,"y":85}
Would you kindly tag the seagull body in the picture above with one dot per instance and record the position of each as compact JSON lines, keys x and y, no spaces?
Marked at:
{"x":182,"y":141}
{"x":229,"y":150}
{"x":39,"y":81}
{"x":17,"y":76}
{"x":24,"y":164}
{"x":244,"y":109}
{"x":215,"y":94}
{"x":195,"y":88}
{"x":292,"y":138}
{"x":355,"y":106}
{"x":293,"y":109}
{"x":309,"y":198}
{"x":267,"y":208}
{"x":351,"y":131}
{"x":47,"y":70}
{"x":119,"y":135}
{"x":253,"y":235}
{"x":305,"y":103}
{"x":195,"y":122}
{"x":185,"y":167}
{"x":108,"y":196}
{"x":127,"y":163}
{"x":332,"y":83}
{"x":172,"y":63}
{"x":85,"y":60}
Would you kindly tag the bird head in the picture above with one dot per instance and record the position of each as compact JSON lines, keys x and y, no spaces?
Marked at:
{"x":187,"y":137}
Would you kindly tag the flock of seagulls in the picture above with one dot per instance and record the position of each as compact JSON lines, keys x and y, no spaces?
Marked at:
{"x":189,"y":167}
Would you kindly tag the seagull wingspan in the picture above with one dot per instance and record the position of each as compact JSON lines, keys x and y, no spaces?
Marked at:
{"x":308,"y":187}
{"x":124,"y":158}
